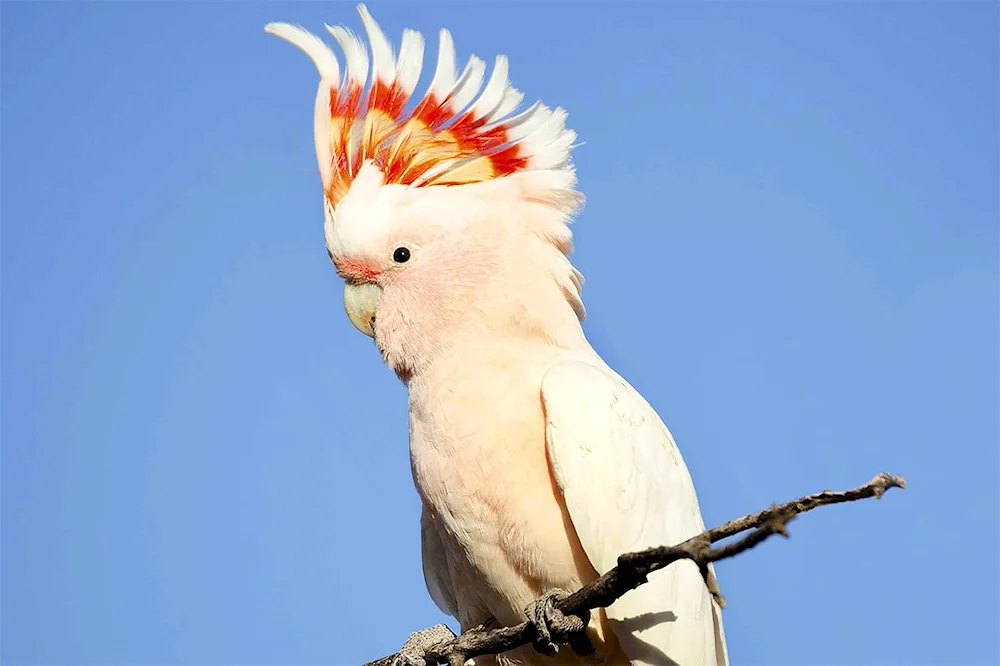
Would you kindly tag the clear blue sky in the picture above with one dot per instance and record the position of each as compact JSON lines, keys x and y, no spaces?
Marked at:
{"x":791,"y":248}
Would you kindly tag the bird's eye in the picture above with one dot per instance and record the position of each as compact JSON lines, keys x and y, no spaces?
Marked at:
{"x":401,"y":255}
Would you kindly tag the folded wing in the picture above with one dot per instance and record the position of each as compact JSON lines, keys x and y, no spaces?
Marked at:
{"x":627,"y":488}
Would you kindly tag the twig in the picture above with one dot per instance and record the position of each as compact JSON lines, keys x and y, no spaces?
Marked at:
{"x":634,"y":568}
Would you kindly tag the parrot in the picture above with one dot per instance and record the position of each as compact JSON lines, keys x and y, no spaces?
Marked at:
{"x":447,"y":216}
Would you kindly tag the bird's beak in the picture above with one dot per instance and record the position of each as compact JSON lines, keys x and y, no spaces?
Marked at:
{"x":360,"y":301}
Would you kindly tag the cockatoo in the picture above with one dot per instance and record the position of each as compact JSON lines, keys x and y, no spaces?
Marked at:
{"x":536,"y":464}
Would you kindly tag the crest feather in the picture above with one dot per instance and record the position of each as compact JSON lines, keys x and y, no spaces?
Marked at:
{"x":459,"y":132}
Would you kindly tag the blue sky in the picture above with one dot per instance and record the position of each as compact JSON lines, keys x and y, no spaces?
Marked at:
{"x":790,"y":245}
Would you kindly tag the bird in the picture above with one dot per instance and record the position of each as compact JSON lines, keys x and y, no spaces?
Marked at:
{"x":447,"y":215}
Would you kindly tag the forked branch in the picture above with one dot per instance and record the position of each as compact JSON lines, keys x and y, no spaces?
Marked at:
{"x":634,"y":568}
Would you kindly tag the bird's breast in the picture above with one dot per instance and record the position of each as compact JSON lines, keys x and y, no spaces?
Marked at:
{"x":477,"y":445}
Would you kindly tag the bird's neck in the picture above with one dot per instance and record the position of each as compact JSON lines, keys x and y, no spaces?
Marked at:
{"x":521,"y":312}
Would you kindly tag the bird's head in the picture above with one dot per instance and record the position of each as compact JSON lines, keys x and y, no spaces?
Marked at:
{"x":449,"y":216}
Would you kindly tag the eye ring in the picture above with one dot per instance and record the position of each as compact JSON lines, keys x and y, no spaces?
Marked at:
{"x":401,"y":255}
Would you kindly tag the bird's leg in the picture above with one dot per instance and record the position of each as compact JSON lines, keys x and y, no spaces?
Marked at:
{"x":553,"y":627}
{"x":414,"y":650}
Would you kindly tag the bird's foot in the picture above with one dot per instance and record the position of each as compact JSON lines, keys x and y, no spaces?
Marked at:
{"x":552,"y":627}
{"x":414,"y":650}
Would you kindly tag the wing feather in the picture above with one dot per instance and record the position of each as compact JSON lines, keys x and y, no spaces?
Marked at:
{"x":435,"y":565}
{"x":627,"y":488}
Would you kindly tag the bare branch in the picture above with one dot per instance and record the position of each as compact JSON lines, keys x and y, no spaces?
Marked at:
{"x":634,"y":568}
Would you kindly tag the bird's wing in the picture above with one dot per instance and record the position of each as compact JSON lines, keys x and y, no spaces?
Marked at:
{"x":627,"y":488}
{"x":435,"y":561}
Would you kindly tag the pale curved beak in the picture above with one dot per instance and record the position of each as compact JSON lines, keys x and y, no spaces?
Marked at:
{"x":360,"y":301}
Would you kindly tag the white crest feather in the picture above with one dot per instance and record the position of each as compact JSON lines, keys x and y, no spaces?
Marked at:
{"x":321,"y":131}
{"x":467,"y":86}
{"x":313,"y":46}
{"x":411,"y":61}
{"x":494,"y":90}
{"x":383,"y":59}
{"x":355,"y":53}
{"x":444,"y":74}
{"x":512,"y":97}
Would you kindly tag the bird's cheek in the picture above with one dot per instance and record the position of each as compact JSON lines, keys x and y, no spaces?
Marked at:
{"x":360,"y":302}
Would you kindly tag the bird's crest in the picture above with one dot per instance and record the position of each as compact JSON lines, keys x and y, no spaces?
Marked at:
{"x":450,"y":137}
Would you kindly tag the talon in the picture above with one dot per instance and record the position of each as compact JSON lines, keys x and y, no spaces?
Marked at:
{"x":552,"y":627}
{"x":713,"y":586}
{"x":538,"y":612}
{"x":414,"y":650}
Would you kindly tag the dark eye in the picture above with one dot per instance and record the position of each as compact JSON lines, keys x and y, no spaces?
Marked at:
{"x":401,"y":255}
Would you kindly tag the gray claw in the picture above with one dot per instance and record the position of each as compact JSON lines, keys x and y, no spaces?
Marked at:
{"x":414,"y":650}
{"x":552,"y":627}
